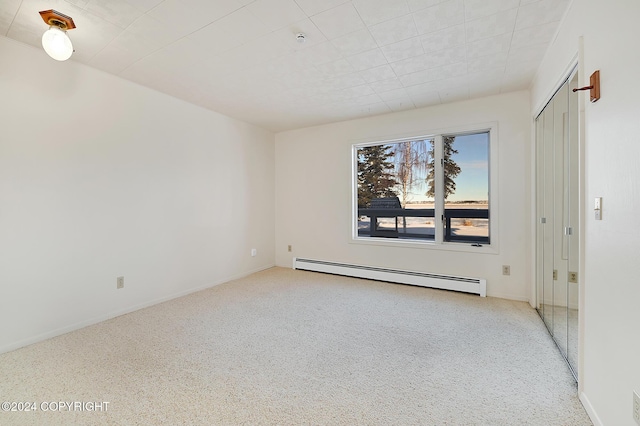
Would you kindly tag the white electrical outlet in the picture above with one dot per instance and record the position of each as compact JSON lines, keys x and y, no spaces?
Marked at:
{"x":254,"y":252}
{"x":120,"y":282}
{"x":636,"y":407}
{"x":289,"y":248}
{"x":506,"y":270}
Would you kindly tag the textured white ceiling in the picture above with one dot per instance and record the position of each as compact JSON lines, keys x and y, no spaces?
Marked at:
{"x":361,"y":57}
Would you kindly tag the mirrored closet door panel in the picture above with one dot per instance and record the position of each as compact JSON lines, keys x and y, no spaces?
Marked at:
{"x":557,"y":203}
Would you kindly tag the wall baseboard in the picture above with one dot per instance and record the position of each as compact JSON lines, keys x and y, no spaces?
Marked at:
{"x":589,"y":409}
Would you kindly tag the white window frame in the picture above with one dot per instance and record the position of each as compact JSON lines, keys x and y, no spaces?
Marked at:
{"x":437,"y":243}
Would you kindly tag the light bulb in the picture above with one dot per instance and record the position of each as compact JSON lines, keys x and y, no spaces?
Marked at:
{"x":57,"y":44}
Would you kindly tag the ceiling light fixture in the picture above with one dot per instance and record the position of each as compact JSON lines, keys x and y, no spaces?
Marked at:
{"x":55,"y":40}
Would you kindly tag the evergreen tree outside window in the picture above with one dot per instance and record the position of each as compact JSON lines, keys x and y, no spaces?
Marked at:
{"x":376,"y":177}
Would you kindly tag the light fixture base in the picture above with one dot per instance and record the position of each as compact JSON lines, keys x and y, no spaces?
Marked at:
{"x":57,"y":19}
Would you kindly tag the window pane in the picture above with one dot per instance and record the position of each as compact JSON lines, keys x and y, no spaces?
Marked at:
{"x":399,"y":189}
{"x":393,"y":199}
{"x":466,"y":187}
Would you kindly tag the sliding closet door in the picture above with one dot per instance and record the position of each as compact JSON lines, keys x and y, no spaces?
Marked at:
{"x":557,"y":199}
{"x":560,"y":190}
{"x":573,"y":198}
{"x":546,"y":222}
{"x":541,"y":247}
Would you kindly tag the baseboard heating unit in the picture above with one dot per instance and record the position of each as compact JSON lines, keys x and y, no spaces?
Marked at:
{"x":444,"y":282}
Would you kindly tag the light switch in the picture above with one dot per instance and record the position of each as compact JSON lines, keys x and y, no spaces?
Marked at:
{"x":598,"y":208}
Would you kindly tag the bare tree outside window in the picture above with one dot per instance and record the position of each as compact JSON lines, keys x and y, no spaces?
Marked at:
{"x":411,"y":160}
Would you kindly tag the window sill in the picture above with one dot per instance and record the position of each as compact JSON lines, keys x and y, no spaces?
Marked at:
{"x":426,"y":245}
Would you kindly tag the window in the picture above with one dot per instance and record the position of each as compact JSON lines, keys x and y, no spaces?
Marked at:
{"x":427,"y":189}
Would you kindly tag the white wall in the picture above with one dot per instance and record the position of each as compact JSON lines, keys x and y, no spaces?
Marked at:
{"x":314,"y":187}
{"x":611,"y":343}
{"x":101,"y":178}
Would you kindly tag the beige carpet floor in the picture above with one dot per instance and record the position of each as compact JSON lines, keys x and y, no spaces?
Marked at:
{"x":299,"y":348}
